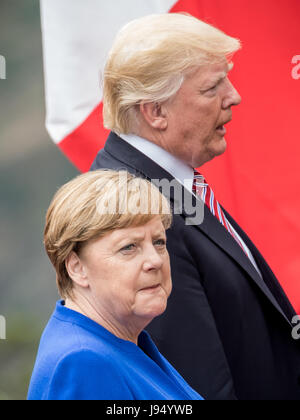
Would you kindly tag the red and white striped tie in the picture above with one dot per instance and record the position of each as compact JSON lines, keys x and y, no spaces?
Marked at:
{"x":203,"y":190}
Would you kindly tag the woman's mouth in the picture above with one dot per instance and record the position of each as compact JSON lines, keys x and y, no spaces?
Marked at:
{"x":153,"y":288}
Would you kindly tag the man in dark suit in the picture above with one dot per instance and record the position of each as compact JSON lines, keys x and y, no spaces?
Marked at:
{"x":227,"y":328}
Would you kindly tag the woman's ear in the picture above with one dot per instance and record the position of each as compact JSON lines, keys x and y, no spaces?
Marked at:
{"x":76,"y":270}
{"x":155,"y":115}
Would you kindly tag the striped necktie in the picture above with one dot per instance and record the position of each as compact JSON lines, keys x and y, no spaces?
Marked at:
{"x":203,"y":190}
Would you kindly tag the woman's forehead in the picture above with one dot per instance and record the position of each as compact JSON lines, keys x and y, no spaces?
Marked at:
{"x":154,"y":226}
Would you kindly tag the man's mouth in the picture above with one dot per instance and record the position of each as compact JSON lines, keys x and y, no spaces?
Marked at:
{"x":221,"y":130}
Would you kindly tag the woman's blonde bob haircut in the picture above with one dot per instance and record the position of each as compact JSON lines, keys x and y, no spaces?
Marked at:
{"x":150,"y":59}
{"x":92,"y":205}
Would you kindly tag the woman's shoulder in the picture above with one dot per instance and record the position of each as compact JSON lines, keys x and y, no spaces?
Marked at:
{"x":80,"y":359}
{"x":71,"y":353}
{"x":68,"y":331}
{"x":82,"y":373}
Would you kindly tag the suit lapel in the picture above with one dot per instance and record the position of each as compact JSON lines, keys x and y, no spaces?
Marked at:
{"x":217,"y":233}
{"x":269,"y":278}
{"x":211,"y":227}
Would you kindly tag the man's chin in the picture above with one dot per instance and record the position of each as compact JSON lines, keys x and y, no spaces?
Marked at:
{"x":221,"y":147}
{"x":218,"y":149}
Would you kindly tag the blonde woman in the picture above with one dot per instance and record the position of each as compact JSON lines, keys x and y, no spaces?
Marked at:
{"x":105,"y":236}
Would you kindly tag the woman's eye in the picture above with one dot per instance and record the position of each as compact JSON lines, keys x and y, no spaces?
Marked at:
{"x":129,"y":247}
{"x":160,"y":242}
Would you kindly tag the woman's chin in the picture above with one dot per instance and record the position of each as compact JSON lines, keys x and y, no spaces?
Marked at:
{"x":151,"y":311}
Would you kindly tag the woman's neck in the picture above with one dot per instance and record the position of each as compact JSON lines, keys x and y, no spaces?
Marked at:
{"x":84,"y":306}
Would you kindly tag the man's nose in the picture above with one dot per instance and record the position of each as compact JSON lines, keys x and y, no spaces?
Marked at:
{"x":232,"y":97}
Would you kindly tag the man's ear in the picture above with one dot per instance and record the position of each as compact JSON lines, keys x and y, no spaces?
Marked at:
{"x":154,"y":114}
{"x":76,"y":270}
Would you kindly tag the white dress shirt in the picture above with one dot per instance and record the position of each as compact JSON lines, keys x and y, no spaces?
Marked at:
{"x":178,"y":169}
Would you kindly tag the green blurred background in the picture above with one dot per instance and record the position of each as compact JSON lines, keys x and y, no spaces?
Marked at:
{"x":31,"y":171}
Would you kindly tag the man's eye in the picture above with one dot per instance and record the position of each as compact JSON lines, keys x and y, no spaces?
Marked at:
{"x":212,"y":89}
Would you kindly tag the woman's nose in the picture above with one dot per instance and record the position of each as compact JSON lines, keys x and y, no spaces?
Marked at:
{"x":153,"y":260}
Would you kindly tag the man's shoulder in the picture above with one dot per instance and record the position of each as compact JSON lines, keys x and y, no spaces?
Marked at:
{"x":105,"y":160}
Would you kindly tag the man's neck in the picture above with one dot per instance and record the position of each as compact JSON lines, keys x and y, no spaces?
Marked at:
{"x":176,"y":167}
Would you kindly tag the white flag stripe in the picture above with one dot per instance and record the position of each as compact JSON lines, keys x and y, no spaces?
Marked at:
{"x":77,"y":35}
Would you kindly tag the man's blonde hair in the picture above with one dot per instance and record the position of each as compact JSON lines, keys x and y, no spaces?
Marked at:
{"x":150,"y":59}
{"x":92,"y":205}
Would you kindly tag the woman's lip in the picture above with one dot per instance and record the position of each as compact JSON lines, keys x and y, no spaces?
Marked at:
{"x":151,"y":287}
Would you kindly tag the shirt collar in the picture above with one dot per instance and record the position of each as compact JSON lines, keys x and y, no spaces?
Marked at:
{"x":176,"y":167}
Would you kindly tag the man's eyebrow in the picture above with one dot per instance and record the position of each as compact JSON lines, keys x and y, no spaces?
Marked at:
{"x":215,"y":80}
{"x":220,"y":77}
{"x":230,"y":66}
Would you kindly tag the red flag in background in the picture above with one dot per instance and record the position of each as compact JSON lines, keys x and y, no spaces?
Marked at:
{"x":257,"y":179}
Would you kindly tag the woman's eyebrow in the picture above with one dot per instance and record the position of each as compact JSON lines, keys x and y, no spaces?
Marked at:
{"x":140,"y":238}
{"x":132,"y":237}
{"x":161,"y":234}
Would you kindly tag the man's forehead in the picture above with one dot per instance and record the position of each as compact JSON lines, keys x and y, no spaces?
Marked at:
{"x":220,"y":68}
{"x":216,"y":71}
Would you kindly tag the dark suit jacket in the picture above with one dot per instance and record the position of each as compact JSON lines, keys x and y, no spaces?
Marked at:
{"x":226,"y":330}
